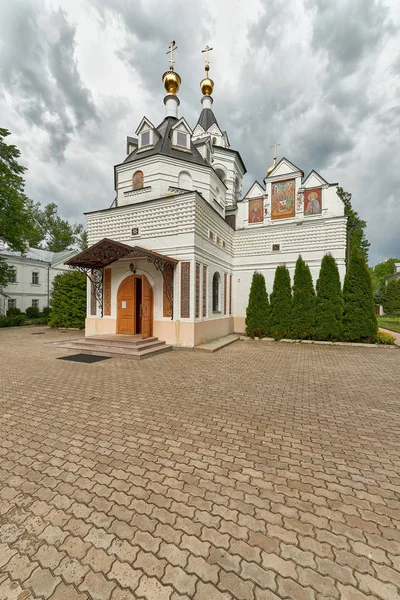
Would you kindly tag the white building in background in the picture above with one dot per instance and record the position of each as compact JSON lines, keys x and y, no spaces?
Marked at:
{"x":32,"y":279}
{"x":175,"y":254}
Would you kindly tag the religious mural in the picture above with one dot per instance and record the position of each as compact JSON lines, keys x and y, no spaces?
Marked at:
{"x":283,"y":199}
{"x":313,"y":202}
{"x":137,"y":180}
{"x":256,"y":210}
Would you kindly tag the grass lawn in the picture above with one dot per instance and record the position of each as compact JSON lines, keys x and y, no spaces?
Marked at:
{"x":392,"y":323}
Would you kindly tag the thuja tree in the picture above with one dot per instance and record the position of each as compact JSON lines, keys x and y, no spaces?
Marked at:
{"x":329,"y":302}
{"x":281,"y":304}
{"x":303,"y":314}
{"x":68,"y":300}
{"x":391,"y":299}
{"x":258,"y":309}
{"x":359,"y":318}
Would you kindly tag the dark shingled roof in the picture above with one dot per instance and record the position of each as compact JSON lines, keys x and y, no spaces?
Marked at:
{"x":207,"y":118}
{"x":164,"y":146}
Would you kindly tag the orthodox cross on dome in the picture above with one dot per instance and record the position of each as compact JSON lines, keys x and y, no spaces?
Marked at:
{"x":274,"y":146}
{"x":170,"y":50}
{"x":207,"y":49}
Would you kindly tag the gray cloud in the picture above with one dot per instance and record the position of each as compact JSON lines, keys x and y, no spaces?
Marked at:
{"x":38,"y":67}
{"x":321,"y":78}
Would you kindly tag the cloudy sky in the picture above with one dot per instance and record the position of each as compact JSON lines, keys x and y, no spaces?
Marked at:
{"x":320,"y":77}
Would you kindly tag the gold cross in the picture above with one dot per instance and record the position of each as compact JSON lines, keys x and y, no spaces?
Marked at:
{"x":207,"y":49}
{"x":170,"y":50}
{"x":274,"y":146}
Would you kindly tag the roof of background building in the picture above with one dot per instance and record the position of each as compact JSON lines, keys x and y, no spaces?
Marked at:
{"x":36,"y":254}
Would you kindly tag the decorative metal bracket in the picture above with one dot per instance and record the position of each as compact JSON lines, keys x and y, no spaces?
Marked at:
{"x":95,"y":277}
{"x":160,"y":263}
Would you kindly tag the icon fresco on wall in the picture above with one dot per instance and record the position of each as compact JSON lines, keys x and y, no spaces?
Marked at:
{"x":313,"y":202}
{"x":256,"y":210}
{"x":283,"y":199}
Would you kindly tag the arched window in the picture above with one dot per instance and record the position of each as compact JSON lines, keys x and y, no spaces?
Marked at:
{"x":137,"y":180}
{"x":185,"y":181}
{"x":221,"y":174}
{"x":215,"y":292}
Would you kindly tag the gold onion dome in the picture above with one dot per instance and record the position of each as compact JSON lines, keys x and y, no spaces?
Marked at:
{"x":207,"y":85}
{"x":171,"y":81}
{"x":271,"y":168}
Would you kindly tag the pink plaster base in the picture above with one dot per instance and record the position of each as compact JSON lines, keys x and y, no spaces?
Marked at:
{"x":103,"y":326}
{"x":239,"y":324}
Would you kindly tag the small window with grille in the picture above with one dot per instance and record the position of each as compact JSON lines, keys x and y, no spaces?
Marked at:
{"x":276,"y":247}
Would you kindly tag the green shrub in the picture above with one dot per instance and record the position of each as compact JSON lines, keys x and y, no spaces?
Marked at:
{"x":258,"y":309}
{"x":329,"y":302}
{"x":359,"y":318}
{"x":303,"y":314}
{"x":46,"y":311}
{"x":13,"y":312}
{"x":281,"y":304}
{"x":391,"y":297}
{"x":384,"y":338}
{"x":68,"y":300}
{"x":13,"y":321}
{"x":32,"y":312}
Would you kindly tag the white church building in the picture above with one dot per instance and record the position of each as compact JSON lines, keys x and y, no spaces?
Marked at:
{"x":175,"y":254}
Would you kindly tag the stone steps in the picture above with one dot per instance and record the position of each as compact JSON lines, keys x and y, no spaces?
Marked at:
{"x":217,"y":344}
{"x":117,"y":346}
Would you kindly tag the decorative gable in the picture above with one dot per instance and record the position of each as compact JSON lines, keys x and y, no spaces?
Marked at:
{"x":255,"y":191}
{"x":285,"y":167}
{"x":147,"y":134}
{"x":181,"y":135}
{"x":314,"y":180}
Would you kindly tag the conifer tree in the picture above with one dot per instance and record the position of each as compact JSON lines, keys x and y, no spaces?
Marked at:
{"x":359,"y":318}
{"x":329,"y":302}
{"x":303,"y":314}
{"x":258,"y":309}
{"x":68,"y":300}
{"x":391,"y":299}
{"x":281,"y":304}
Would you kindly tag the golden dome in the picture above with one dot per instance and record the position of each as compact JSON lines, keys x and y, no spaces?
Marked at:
{"x":207,"y":86}
{"x":272,"y":167}
{"x":172,"y":82}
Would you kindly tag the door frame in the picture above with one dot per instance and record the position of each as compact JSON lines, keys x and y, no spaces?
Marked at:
{"x":119,"y":308}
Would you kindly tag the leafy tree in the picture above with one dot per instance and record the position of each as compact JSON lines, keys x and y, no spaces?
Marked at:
{"x":358,"y":240}
{"x":281,"y":304}
{"x":303,"y":314}
{"x":16,"y":217}
{"x":378,"y":276}
{"x":68,"y":300}
{"x":59,"y":234}
{"x":329,"y":303}
{"x":258,"y":309}
{"x":391,"y":299}
{"x":359,"y":318}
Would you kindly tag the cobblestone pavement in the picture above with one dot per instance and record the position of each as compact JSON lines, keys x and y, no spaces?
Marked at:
{"x":264,"y":471}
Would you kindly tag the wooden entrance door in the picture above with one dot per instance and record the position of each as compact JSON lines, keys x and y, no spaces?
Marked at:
{"x":147,"y":308}
{"x":133,"y":319}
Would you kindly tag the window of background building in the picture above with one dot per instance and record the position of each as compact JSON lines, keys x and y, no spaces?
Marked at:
{"x":13,"y":276}
{"x":35,"y":277}
{"x":35,"y":303}
{"x":11,"y":303}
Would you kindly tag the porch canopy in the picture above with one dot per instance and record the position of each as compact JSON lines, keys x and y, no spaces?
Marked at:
{"x":93,"y":260}
{"x":106,"y":251}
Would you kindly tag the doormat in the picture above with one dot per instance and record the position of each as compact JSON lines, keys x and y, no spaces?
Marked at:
{"x":84,"y":358}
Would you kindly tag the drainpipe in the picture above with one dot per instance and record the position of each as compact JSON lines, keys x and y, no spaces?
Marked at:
{"x":48,"y":284}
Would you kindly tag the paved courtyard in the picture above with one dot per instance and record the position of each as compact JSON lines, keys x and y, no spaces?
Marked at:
{"x":264,"y":471}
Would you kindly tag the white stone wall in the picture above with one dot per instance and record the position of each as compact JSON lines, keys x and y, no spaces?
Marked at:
{"x":161,"y":178}
{"x":24,"y":291}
